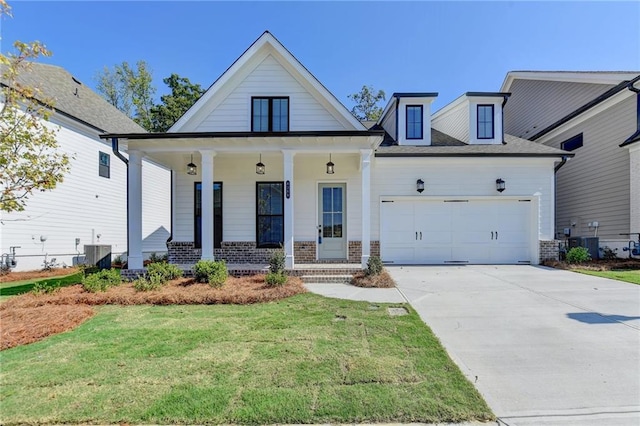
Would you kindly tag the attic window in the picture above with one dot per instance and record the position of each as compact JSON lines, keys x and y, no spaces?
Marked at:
{"x":270,"y":114}
{"x":414,"y":121}
{"x":485,"y":122}
{"x":572,"y":144}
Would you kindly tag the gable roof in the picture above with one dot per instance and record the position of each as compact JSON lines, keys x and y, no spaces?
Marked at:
{"x":264,"y":42}
{"x":75,"y":100}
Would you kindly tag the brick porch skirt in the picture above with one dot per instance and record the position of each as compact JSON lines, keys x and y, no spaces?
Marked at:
{"x":246,"y":252}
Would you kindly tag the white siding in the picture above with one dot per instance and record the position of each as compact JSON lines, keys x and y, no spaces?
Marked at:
{"x":595,"y":184}
{"x":454,"y":123}
{"x":389,"y":123}
{"x":269,"y":78}
{"x":84,"y":206}
{"x":634,"y":179}
{"x":464,"y":177}
{"x":536,"y":104}
{"x":237,"y":174}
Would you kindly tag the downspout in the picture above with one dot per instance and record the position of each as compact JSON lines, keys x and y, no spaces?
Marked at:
{"x":115,"y":148}
{"x":397,"y":102}
{"x":504,"y":102}
{"x":562,"y":163}
{"x":171,"y":219}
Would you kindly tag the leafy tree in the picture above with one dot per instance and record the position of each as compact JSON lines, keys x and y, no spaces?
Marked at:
{"x":129,"y":89}
{"x":183,"y":95}
{"x":29,"y":155}
{"x":366,"y":100}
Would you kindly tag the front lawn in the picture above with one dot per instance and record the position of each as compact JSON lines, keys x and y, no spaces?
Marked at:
{"x":630,"y":276}
{"x":305,"y":359}
{"x":12,"y":288}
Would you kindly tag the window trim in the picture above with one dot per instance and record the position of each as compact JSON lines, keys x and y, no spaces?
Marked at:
{"x":406,"y":122}
{"x":270,"y":115}
{"x":578,"y":139}
{"x":195,"y":216}
{"x":258,"y":245}
{"x":107,"y":166}
{"x":493,"y":121}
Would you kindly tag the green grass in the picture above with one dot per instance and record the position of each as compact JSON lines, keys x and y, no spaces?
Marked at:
{"x":292,"y":361}
{"x":18,"y":287}
{"x":630,"y":276}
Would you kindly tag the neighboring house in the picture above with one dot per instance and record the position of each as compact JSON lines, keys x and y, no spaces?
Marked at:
{"x":285,"y":163}
{"x":596,"y":116}
{"x":89,"y":207}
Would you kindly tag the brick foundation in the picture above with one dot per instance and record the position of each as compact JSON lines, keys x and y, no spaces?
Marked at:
{"x":549,"y":250}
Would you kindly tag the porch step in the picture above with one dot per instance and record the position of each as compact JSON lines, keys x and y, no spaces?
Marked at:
{"x":326,"y":279}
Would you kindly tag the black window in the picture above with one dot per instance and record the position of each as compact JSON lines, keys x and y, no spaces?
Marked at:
{"x":414,"y":121}
{"x":572,"y":144}
{"x":269,"y":214}
{"x":485,"y":121}
{"x":270,"y":114}
{"x":104,"y":164}
{"x":217,"y":215}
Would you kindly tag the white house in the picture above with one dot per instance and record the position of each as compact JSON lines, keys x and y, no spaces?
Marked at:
{"x":285,"y":163}
{"x":89,"y":207}
{"x":596,"y":116}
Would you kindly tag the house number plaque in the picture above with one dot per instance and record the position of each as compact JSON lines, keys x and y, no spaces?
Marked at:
{"x":288,"y":190}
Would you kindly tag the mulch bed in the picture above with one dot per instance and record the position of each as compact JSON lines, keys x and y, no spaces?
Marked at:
{"x":30,"y":275}
{"x":31,"y":317}
{"x":597,"y":265}
{"x":382,"y":280}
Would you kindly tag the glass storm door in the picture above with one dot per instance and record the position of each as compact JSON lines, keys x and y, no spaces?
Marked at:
{"x":332,"y":229}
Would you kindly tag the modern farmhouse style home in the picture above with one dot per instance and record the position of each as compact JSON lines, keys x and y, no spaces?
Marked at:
{"x":268,"y":157}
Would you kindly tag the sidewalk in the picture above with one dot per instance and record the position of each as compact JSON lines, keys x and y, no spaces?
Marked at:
{"x":350,"y":292}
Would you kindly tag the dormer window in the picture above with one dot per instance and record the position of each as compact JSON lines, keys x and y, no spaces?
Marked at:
{"x":414,"y":122}
{"x":485,"y":122}
{"x":270,"y":114}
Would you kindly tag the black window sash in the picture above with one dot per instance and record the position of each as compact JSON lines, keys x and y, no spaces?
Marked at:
{"x":274,"y":118}
{"x":486,"y":120}
{"x":197,"y":214}
{"x":416,"y":122}
{"x":266,"y":219}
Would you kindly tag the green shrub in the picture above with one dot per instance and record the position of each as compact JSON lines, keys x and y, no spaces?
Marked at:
{"x":155,"y":258}
{"x":166,"y":271}
{"x":42,"y":287}
{"x":152,"y":282}
{"x":608,"y":253}
{"x":277,"y":262}
{"x":274,"y":279}
{"x":102,"y":280}
{"x":578,"y":255}
{"x":374,"y":266}
{"x":212,"y":272}
{"x":118,"y":260}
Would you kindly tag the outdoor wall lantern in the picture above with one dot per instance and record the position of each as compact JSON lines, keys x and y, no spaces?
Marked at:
{"x":192,"y":169}
{"x":500,"y":185}
{"x":330,"y":165}
{"x":260,"y":168}
{"x":420,"y":185}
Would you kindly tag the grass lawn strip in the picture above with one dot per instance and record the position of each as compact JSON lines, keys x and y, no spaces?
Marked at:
{"x":289,"y":361}
{"x":13,"y":288}
{"x":632,"y":276}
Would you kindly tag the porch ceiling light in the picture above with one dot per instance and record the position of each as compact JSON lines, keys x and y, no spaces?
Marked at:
{"x":500,"y":185}
{"x":192,"y":169}
{"x":420,"y":185}
{"x":260,"y":168}
{"x":330,"y":165}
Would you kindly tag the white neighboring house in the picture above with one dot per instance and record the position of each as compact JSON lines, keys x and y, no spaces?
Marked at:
{"x":596,"y":116}
{"x":89,"y":207}
{"x":287,"y":164}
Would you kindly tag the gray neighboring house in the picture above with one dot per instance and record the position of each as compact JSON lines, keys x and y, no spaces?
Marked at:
{"x":89,"y":207}
{"x":596,"y":116}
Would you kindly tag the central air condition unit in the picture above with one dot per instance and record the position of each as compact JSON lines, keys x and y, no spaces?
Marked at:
{"x":593,"y":245}
{"x":98,"y":255}
{"x":575,"y":242}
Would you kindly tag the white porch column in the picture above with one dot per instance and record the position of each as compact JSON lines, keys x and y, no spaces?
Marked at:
{"x":134,"y":210}
{"x":288,"y":208}
{"x":365,"y":167}
{"x":207,"y":204}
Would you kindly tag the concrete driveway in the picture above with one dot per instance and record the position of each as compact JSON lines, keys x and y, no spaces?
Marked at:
{"x":543,"y":346}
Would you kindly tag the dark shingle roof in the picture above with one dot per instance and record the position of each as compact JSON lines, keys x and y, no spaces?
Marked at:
{"x":513,"y":147}
{"x":74,"y":99}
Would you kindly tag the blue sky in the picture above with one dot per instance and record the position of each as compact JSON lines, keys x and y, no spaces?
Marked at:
{"x":445,"y":47}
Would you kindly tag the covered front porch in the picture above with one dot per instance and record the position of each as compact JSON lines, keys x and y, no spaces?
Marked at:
{"x":307,"y":193}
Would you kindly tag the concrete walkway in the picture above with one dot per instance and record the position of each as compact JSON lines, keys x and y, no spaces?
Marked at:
{"x":543,"y":346}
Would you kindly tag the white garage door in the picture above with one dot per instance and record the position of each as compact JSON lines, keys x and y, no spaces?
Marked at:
{"x":456,"y":231}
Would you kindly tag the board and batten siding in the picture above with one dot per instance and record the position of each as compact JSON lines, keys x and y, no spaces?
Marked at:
{"x":269,"y":78}
{"x":454,"y":123}
{"x":595,"y":184}
{"x":460,"y":177}
{"x":536,"y":104}
{"x":85,"y":205}
{"x":237,"y":174}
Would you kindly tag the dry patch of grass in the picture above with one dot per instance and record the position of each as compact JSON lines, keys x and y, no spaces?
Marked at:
{"x":31,"y":317}
{"x":30,"y":275}
{"x":21,"y":326}
{"x":382,"y":280}
{"x":597,"y":265}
